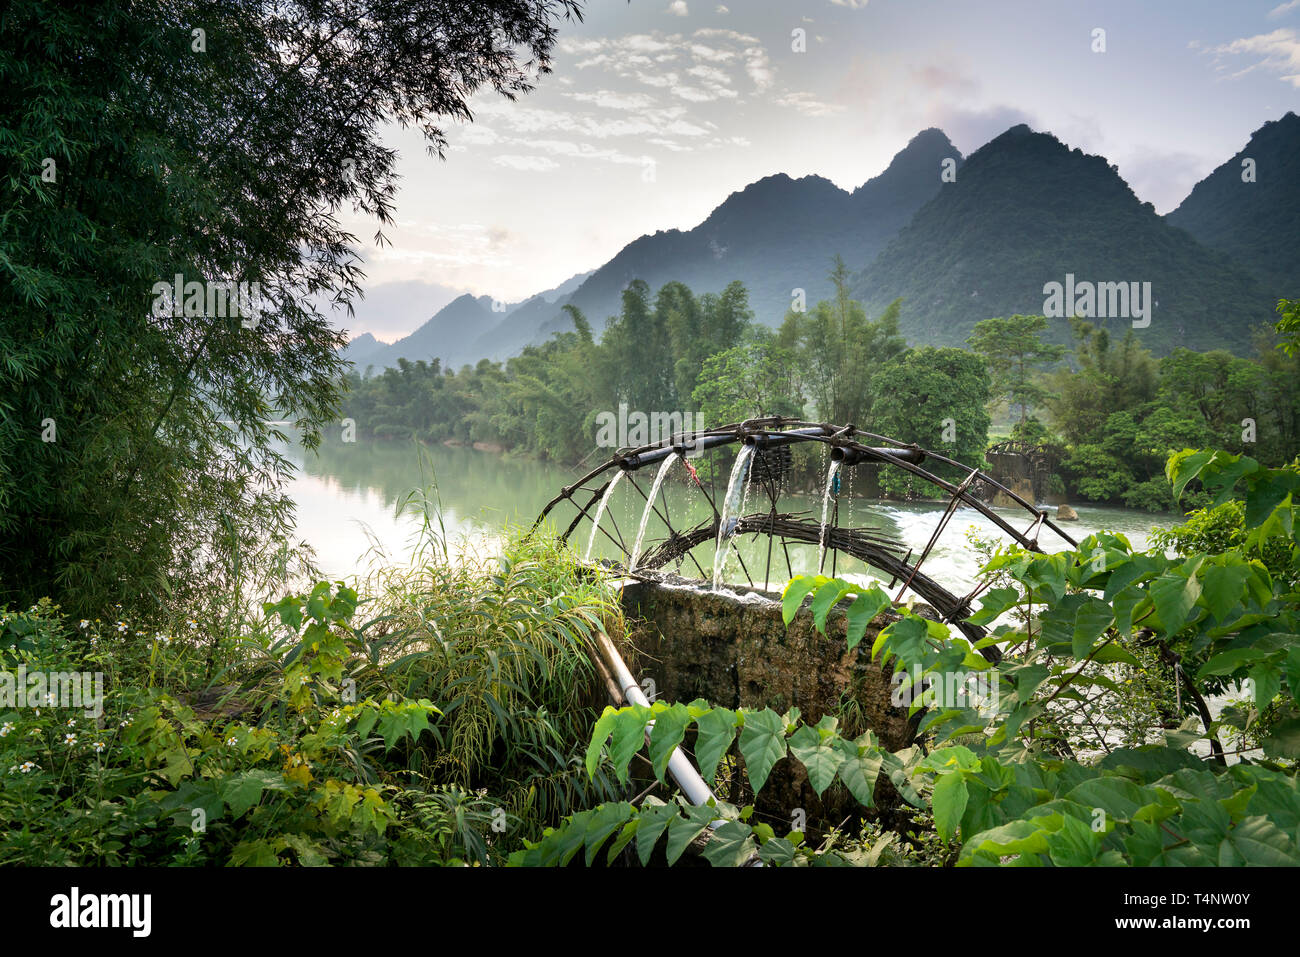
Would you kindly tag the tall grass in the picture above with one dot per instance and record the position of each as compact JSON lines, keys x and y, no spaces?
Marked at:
{"x":501,"y":646}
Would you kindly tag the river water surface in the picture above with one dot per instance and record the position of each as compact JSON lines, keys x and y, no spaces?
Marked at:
{"x":347,"y":497}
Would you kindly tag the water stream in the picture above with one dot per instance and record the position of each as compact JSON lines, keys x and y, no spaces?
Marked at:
{"x":731,"y":509}
{"x":831,"y":489}
{"x":649,"y":507}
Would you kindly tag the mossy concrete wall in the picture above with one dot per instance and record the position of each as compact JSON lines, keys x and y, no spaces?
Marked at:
{"x":736,"y":651}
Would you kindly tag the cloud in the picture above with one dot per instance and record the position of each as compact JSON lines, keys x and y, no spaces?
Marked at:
{"x":710,"y":73}
{"x":678,"y":8}
{"x":969,"y":129}
{"x":702,"y":51}
{"x":759,"y":67}
{"x":851,"y":4}
{"x":721,"y":10}
{"x":1283,"y":8}
{"x":1277,"y":52}
{"x":610,"y":100}
{"x":536,"y":164}
{"x":808,"y":104}
{"x":1163,"y":179}
{"x":724,"y":34}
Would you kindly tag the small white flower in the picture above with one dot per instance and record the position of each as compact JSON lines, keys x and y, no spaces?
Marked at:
{"x":84,"y":624}
{"x":69,"y":739}
{"x":6,"y":728}
{"x":99,"y":747}
{"x":192,"y":624}
{"x":27,"y":767}
{"x":72,"y":722}
{"x":231,"y":741}
{"x":121,"y":627}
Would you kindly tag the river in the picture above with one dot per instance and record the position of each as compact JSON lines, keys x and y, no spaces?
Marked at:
{"x":347,"y":496}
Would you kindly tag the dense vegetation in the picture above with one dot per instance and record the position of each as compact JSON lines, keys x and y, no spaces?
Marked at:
{"x":140,"y":460}
{"x":1037,"y":770}
{"x":1110,"y":413}
{"x":413,"y":725}
{"x":447,"y":710}
{"x":447,"y":713}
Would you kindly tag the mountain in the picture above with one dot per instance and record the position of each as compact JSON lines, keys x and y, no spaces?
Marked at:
{"x":1254,"y":222}
{"x":532,"y":320}
{"x":449,"y":334}
{"x":362,"y":349}
{"x":1025,"y":211}
{"x":454,"y":333}
{"x":775,"y":235}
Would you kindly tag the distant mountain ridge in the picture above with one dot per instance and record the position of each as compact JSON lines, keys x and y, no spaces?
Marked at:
{"x":775,"y":235}
{"x":1250,"y":213}
{"x":1025,"y":211}
{"x":452,"y":334}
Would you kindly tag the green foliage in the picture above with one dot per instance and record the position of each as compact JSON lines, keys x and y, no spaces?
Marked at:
{"x":1122,"y":414}
{"x":757,"y":377}
{"x":935,"y":398}
{"x":432,"y":722}
{"x":1013,"y":349}
{"x":1288,"y":327}
{"x":1003,"y":774}
{"x":141,"y":465}
{"x":832,"y":343}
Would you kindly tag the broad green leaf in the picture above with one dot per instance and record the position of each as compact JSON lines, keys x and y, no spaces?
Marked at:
{"x":654,"y":818}
{"x":683,"y":830}
{"x":762,"y":744}
{"x":1016,"y":837}
{"x":1090,"y":623}
{"x":795,"y":592}
{"x":1222,"y":588}
{"x":599,"y":735}
{"x":1075,"y":844}
{"x":949,"y":803}
{"x":1174,"y":595}
{"x":859,"y":768}
{"x":1283,"y":740}
{"x":824,"y":600}
{"x":605,"y":821}
{"x":778,"y":852}
{"x":628,"y":737}
{"x":1261,"y":843}
{"x":996,"y":602}
{"x":731,"y":845}
{"x":863,"y":612}
{"x":818,"y":756}
{"x":1119,"y":797}
{"x":244,"y":790}
{"x":667,"y":734}
{"x":716,"y":730}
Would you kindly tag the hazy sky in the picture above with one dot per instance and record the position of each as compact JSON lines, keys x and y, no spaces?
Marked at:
{"x":658,"y":109}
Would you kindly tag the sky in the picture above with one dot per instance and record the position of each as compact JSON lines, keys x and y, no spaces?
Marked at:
{"x":657,"y":110}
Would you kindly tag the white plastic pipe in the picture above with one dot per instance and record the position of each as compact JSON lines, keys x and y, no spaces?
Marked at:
{"x":690,"y":780}
{"x":693,"y":785}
